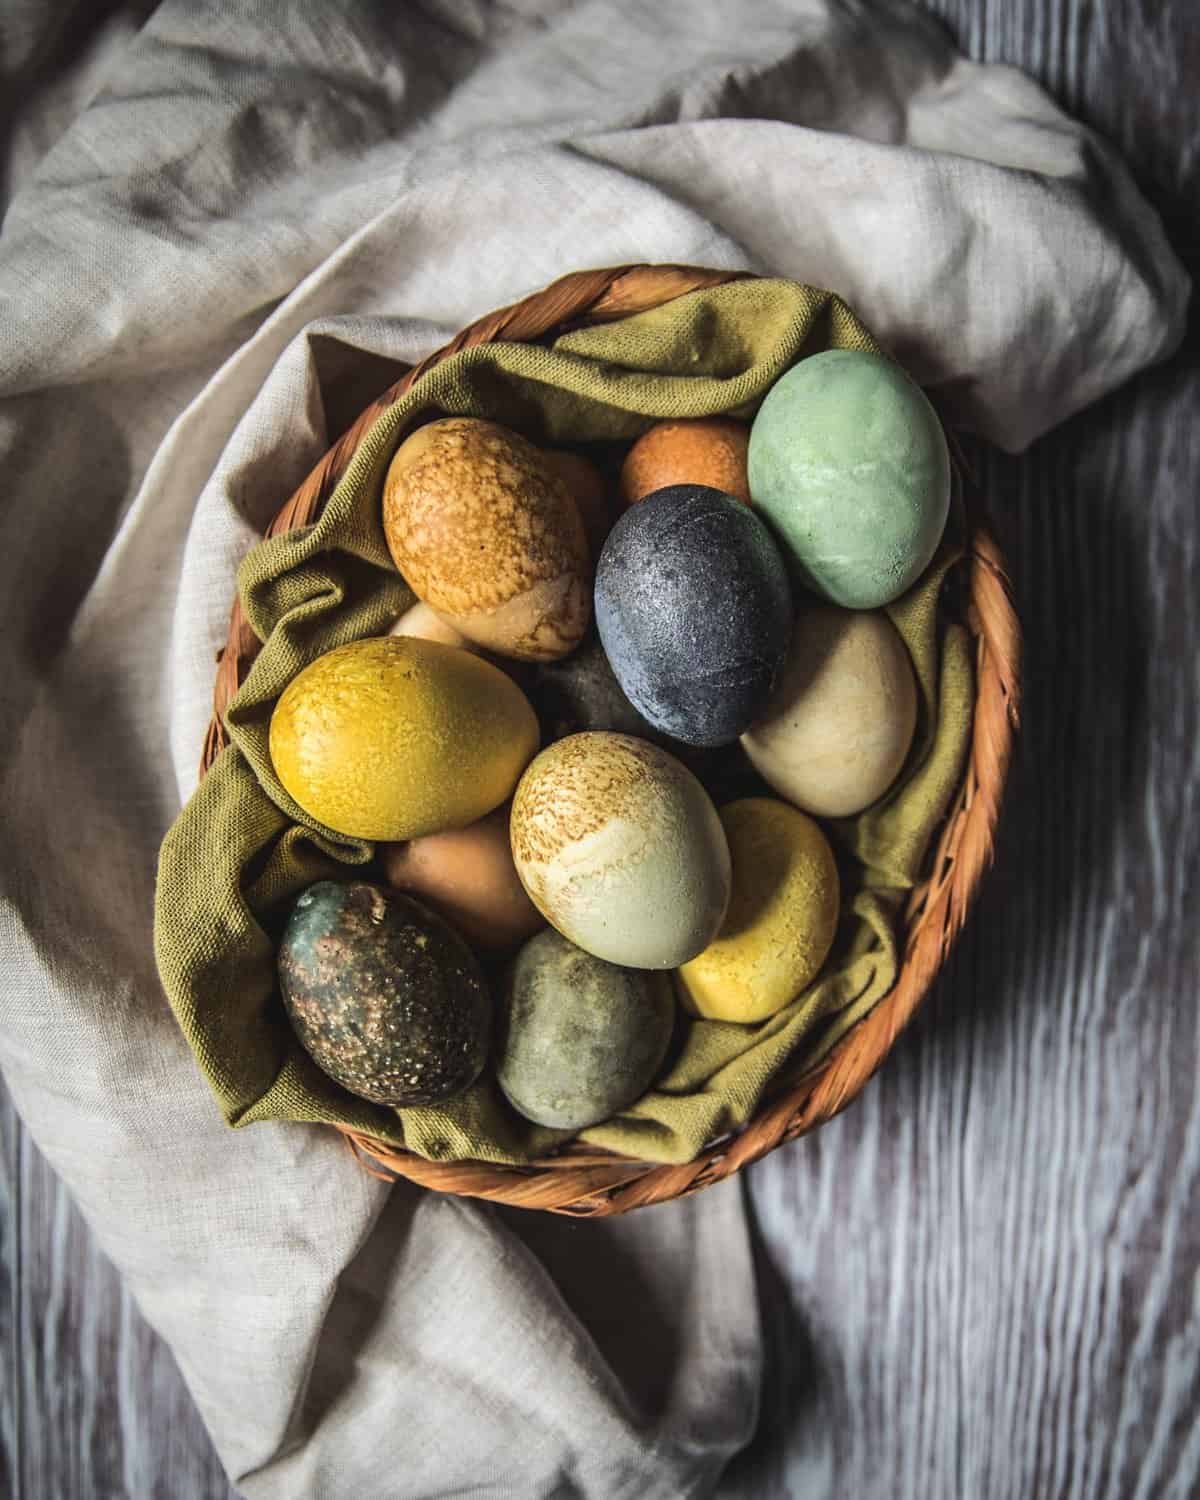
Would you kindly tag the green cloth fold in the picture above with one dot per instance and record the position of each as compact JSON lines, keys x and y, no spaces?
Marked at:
{"x":241,"y":850}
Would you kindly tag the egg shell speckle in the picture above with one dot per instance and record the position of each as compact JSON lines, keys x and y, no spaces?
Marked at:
{"x":488,"y":535}
{"x":621,"y":850}
{"x":694,"y":610}
{"x":578,"y":1039}
{"x":467,"y":875}
{"x":390,"y":738}
{"x":383,"y":995}
{"x":849,"y":464}
{"x":698,"y":450}
{"x":782,"y":917}
{"x":835,"y":734}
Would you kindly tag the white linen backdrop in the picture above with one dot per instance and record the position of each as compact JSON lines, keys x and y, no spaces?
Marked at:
{"x":229,"y":220}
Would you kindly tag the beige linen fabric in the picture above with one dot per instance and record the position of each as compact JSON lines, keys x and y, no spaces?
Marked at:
{"x":262,"y":210}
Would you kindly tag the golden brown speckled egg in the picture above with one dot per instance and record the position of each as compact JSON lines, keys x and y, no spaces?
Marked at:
{"x":587,"y":487}
{"x":489,"y":536}
{"x":783,"y":913}
{"x":467,"y":875}
{"x":703,"y":450}
{"x":621,"y":850}
{"x":838,"y":726}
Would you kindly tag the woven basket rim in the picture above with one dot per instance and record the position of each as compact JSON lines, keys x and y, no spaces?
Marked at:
{"x":589,"y":1181}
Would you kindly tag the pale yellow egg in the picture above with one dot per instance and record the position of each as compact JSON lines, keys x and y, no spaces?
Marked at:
{"x":783,"y":913}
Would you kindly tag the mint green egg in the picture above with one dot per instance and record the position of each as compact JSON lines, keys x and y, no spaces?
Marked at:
{"x":849,"y":464}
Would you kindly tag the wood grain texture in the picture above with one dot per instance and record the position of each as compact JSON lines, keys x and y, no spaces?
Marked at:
{"x":92,"y":1404}
{"x":984,"y":1280}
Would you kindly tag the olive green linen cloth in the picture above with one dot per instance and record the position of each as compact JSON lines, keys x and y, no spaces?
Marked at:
{"x":241,"y":850}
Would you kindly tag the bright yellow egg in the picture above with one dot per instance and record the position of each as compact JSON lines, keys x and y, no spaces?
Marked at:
{"x":783,"y":913}
{"x":391,"y":738}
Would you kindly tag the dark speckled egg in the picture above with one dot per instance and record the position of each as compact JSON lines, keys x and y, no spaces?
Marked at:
{"x":694,"y":610}
{"x":384,"y":996}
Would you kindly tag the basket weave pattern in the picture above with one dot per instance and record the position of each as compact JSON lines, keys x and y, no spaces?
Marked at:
{"x":585,"y":1181}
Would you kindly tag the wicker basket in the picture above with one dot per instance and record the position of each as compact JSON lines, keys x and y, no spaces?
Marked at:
{"x":585,"y":1181}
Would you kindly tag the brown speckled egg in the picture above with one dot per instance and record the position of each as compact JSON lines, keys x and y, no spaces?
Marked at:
{"x":488,"y":535}
{"x":467,"y":875}
{"x":706,"y":450}
{"x":587,"y":488}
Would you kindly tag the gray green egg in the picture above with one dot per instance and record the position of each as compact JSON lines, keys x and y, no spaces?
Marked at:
{"x":385,"y":997}
{"x":849,"y":465}
{"x":579,"y":1039}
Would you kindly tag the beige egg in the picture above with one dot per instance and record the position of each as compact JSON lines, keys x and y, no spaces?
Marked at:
{"x":840,"y":722}
{"x":782,"y":917}
{"x":587,"y":488}
{"x":621,"y":849}
{"x":489,"y":536}
{"x":425,"y":624}
{"x":467,"y":875}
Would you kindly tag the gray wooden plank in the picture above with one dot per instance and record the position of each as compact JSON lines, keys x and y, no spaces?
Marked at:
{"x":92,"y":1404}
{"x":983,"y":1279}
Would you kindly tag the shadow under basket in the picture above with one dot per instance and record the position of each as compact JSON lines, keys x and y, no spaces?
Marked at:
{"x":584,"y":1180}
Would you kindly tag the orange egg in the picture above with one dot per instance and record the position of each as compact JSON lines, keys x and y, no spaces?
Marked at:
{"x":587,"y":488}
{"x":467,"y":875}
{"x":702,"y":450}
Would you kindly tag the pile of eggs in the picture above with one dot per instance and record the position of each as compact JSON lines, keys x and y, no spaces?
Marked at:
{"x":548,"y":848}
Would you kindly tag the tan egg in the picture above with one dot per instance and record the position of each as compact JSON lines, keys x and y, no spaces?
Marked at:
{"x":391,"y":738}
{"x":621,"y":850}
{"x":703,"y":450}
{"x":426,"y":624}
{"x":489,"y":537}
{"x":840,"y":722}
{"x":587,"y":488}
{"x":782,"y":917}
{"x":467,"y":875}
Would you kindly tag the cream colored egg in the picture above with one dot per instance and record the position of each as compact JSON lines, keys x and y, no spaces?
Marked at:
{"x":425,"y":624}
{"x":783,"y":913}
{"x":621,"y":849}
{"x":840,"y":722}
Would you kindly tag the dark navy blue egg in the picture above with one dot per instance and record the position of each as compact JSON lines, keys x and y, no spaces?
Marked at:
{"x":694,"y":610}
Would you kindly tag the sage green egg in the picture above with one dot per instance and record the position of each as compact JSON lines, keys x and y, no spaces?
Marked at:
{"x":849,"y":464}
{"x":579,"y":1039}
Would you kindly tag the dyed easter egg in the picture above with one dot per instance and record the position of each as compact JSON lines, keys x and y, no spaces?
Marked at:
{"x":390,"y":738}
{"x":427,"y":625}
{"x":621,"y":850}
{"x":588,"y":491}
{"x":783,"y":913}
{"x":581,"y":692}
{"x":383,"y":995}
{"x":578,"y":1039}
{"x":699,"y":450}
{"x":849,"y":464}
{"x":694,"y":610}
{"x":467,"y":875}
{"x":838,"y":727}
{"x":487,"y":534}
